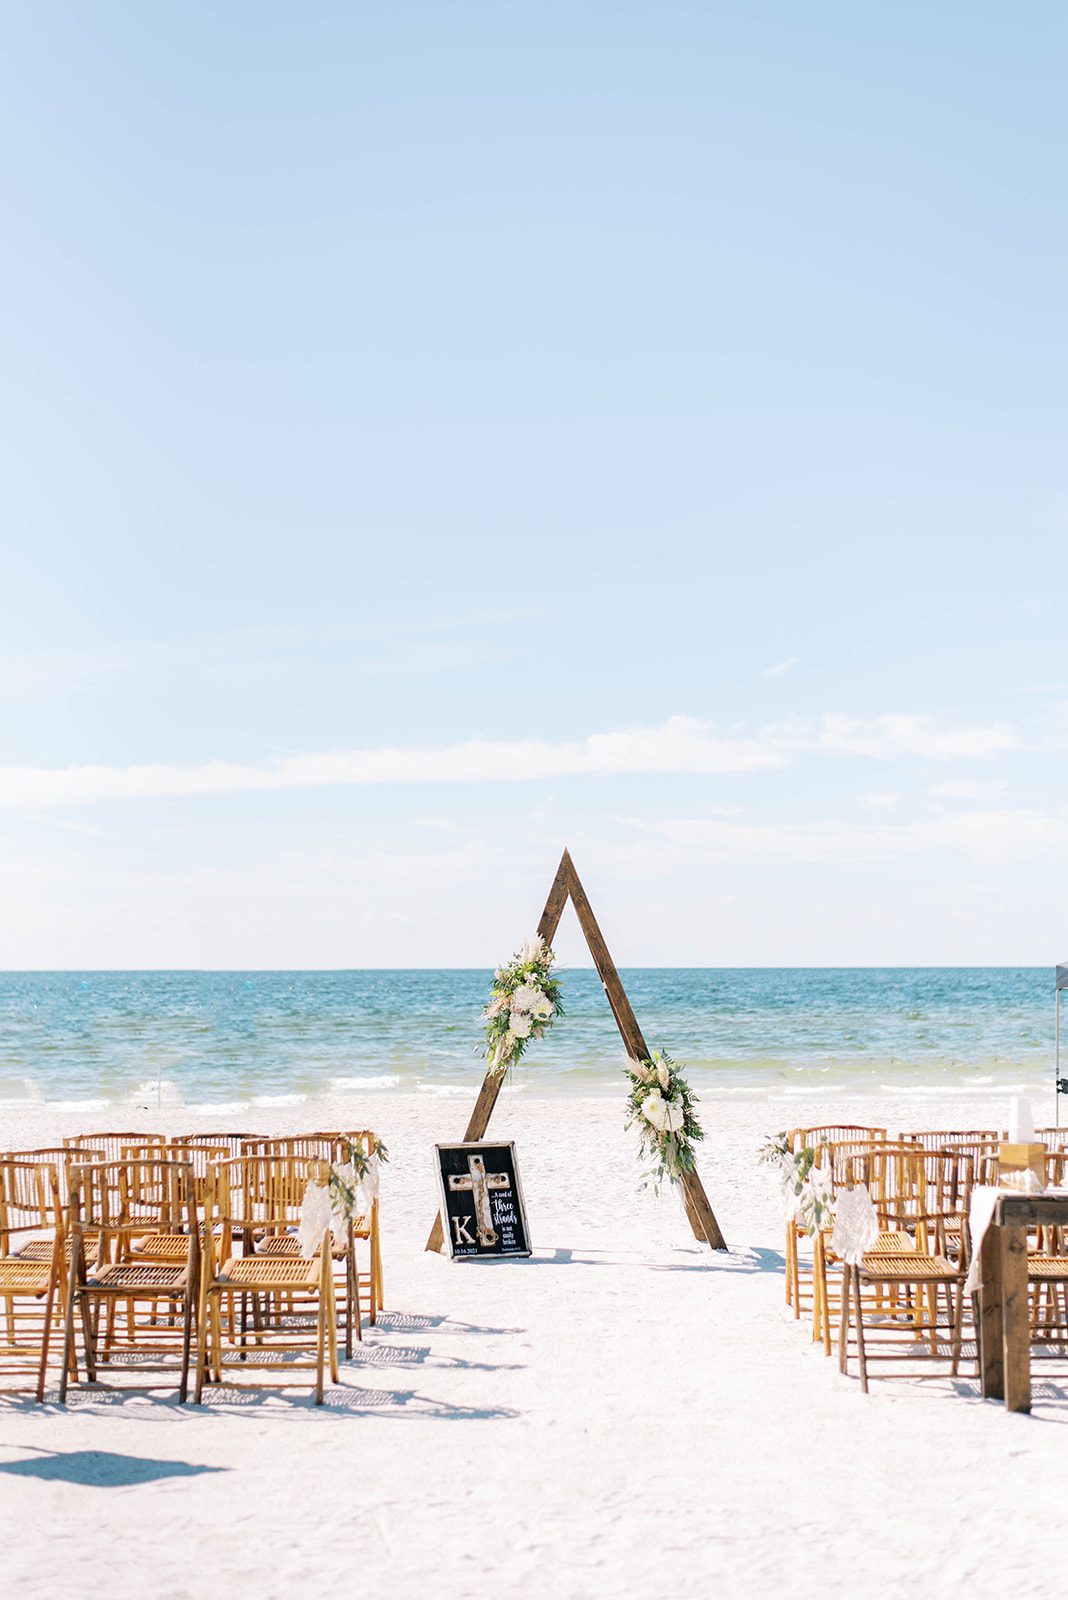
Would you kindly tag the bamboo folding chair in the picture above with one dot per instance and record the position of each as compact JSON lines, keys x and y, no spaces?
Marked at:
{"x":116,"y":1201}
{"x":837,"y":1159}
{"x":112,"y":1144}
{"x":62,"y":1158}
{"x":909,"y":1195}
{"x":31,"y":1285}
{"x":284,"y":1243}
{"x":814,"y":1139}
{"x":358,"y":1148}
{"x":257,"y":1199}
{"x":164,"y":1239}
{"x":232,"y":1142}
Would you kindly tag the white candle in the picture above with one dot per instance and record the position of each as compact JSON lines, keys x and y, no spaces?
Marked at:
{"x":1021,"y":1122}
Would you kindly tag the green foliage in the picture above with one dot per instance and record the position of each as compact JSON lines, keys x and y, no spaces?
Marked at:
{"x":661,"y":1106}
{"x":807,"y":1196}
{"x":523,"y":1004}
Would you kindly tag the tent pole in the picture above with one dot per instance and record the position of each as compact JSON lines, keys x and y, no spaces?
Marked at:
{"x":1057,"y":1049}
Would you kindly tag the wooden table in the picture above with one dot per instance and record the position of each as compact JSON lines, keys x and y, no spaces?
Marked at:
{"x":1004,"y":1310}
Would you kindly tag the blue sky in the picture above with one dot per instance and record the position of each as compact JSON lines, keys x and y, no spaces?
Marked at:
{"x":433,"y":434}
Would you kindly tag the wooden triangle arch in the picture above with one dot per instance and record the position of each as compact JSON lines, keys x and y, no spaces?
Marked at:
{"x":566,"y":886}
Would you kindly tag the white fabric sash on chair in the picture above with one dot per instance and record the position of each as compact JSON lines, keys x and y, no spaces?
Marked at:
{"x":856,"y":1226}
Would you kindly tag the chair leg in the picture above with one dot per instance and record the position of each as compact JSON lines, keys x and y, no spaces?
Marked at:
{"x":89,"y":1333}
{"x":861,"y":1354}
{"x":46,"y":1335}
{"x":202,"y":1352}
{"x":357,"y":1308}
{"x":958,"y":1318}
{"x":216,"y":1335}
{"x":818,"y":1284}
{"x":320,"y":1350}
{"x":187,"y":1339}
{"x":68,"y":1341}
{"x":378,"y":1301}
{"x":332,"y":1334}
{"x":843,"y":1327}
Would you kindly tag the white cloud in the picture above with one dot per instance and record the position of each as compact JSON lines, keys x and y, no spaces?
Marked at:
{"x":881,"y":801}
{"x":968,"y":791}
{"x":986,"y":837}
{"x":782,"y":666}
{"x":898,"y":734}
{"x":680,"y":745}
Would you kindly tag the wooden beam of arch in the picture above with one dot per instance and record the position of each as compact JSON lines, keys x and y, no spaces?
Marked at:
{"x":567,"y":886}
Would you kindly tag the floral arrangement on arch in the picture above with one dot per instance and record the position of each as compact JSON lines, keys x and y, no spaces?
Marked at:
{"x":660,"y":1105}
{"x":523,"y":1003}
{"x":807,"y":1194}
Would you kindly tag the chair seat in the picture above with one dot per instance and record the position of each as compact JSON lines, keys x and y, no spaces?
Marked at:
{"x":41,"y":1250}
{"x":1047,"y":1269}
{"x":915,"y":1268}
{"x":262,"y":1274}
{"x":894,"y":1244}
{"x":19,"y":1276}
{"x":137,"y":1278}
{"x":287,"y":1245}
{"x":163,"y":1247}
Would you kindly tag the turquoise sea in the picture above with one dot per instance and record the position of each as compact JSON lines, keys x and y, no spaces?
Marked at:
{"x":229,"y":1039}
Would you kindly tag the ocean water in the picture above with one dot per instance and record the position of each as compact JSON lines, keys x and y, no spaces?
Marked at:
{"x":230,"y":1040}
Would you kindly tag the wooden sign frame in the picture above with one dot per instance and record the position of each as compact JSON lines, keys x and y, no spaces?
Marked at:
{"x":567,"y":886}
{"x":480,"y":1155}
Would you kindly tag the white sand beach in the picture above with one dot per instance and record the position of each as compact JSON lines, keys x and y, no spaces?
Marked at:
{"x":625,"y":1414}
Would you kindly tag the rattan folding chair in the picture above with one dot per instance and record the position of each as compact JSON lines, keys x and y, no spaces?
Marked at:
{"x":164,"y":1239}
{"x":111,"y":1200}
{"x":31,"y":1285}
{"x":935,"y":1139}
{"x":904,"y":1287}
{"x":837,"y":1160}
{"x":359,"y":1149}
{"x":256,"y":1199}
{"x":814,"y":1139}
{"x":112,"y":1144}
{"x":233,"y":1142}
{"x":62,"y":1158}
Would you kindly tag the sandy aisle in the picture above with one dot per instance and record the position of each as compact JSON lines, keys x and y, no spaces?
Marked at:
{"x":623,"y":1415}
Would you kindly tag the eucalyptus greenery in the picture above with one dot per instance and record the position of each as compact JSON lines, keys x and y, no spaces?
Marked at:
{"x":523,"y":1004}
{"x":806,"y":1190}
{"x":660,"y":1105}
{"x":347,"y":1178}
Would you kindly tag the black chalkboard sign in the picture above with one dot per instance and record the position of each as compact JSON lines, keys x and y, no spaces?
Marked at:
{"x":482,"y":1201}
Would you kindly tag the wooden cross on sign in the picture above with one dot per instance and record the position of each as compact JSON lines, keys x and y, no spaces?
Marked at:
{"x":478,"y":1184}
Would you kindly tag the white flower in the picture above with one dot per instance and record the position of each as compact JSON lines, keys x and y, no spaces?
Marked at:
{"x":519,"y":1027}
{"x":542,"y":1008}
{"x":663,"y":1074}
{"x":525,"y":998}
{"x":666,"y":1116}
{"x":639,"y":1071}
{"x":654,"y":1110}
{"x":676,"y":1114}
{"x":533,"y":950}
